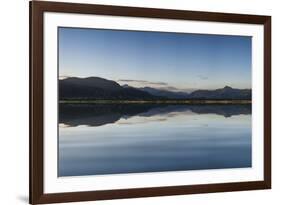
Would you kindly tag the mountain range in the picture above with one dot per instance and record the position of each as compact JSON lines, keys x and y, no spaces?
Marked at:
{"x":95,"y":88}
{"x":98,"y":88}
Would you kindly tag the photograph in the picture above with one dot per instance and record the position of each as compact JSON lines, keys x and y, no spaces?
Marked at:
{"x":129,"y":102}
{"x":146,"y":101}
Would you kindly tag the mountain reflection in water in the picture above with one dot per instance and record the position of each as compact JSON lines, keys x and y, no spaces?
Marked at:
{"x":137,"y":138}
{"x":97,"y":115}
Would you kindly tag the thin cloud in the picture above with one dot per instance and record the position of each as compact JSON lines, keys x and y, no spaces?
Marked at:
{"x":202,"y":77}
{"x":137,"y":81}
{"x":158,"y":85}
{"x":142,"y":82}
{"x":62,"y":77}
{"x":174,"y":89}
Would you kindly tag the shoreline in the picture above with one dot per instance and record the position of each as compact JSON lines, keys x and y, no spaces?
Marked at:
{"x":155,"y":102}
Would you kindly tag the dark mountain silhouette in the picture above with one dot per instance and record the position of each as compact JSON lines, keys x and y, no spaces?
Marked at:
{"x":98,"y":88}
{"x":223,"y":93}
{"x":95,"y":88}
{"x":165,"y":93}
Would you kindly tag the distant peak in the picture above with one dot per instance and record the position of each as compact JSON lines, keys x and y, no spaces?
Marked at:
{"x":227,"y":87}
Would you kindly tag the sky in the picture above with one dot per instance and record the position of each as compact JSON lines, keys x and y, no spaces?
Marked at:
{"x":171,"y":61}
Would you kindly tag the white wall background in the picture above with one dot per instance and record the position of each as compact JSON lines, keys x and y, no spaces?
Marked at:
{"x":14,"y":101}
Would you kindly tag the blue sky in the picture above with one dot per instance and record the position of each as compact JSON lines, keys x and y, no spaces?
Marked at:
{"x":173,"y":61}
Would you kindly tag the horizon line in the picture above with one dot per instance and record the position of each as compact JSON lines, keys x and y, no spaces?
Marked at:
{"x":174,"y":89}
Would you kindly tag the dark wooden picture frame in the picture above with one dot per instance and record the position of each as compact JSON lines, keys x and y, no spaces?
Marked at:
{"x":37,"y":8}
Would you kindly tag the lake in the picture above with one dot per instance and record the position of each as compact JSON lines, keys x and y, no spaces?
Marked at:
{"x":133,"y":138}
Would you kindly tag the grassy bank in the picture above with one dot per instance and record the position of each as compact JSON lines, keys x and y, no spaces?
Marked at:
{"x":156,"y":101}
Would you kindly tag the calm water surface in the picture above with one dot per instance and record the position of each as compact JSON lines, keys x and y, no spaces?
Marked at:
{"x":114,"y":139}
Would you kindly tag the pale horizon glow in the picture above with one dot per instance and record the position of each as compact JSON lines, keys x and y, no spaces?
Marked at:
{"x":169,"y":61}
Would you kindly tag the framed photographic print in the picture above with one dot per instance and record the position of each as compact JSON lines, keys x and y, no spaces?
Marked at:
{"x":139,"y":102}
